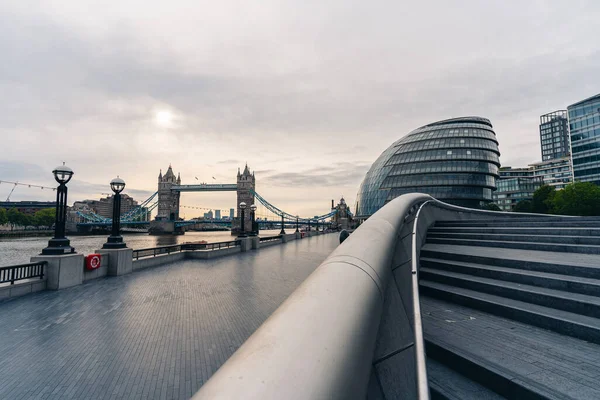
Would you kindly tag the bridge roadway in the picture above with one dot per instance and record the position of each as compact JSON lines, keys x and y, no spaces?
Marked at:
{"x":159,"y":333}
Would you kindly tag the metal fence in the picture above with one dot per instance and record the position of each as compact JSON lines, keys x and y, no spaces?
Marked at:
{"x":15,"y":273}
{"x":156,"y":251}
{"x":264,"y":239}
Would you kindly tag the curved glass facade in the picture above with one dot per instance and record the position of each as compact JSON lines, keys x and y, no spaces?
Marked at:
{"x":454,"y":160}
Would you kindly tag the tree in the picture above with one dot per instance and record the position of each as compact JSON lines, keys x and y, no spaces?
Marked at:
{"x":3,"y":217}
{"x":491,"y":207}
{"x":523,"y":206}
{"x":543,"y":199}
{"x":579,"y":198}
{"x":13,"y":217}
{"x":45,"y":217}
{"x":24,"y":219}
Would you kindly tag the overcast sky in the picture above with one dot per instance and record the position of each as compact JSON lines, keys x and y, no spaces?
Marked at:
{"x":309,"y":93}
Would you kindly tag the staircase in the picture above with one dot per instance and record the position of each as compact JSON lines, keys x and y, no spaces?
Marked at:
{"x":511,"y":308}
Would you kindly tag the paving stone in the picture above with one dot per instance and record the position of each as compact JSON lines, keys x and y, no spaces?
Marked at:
{"x":157,"y":333}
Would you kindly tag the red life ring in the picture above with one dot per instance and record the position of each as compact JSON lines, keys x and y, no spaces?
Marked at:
{"x":93,"y":261}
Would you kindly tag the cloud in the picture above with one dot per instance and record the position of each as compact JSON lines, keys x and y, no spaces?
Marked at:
{"x":338,"y":175}
{"x":296,"y":89}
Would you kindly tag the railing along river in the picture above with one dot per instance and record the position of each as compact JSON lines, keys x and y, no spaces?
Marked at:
{"x":156,"y":251}
{"x":20,"y":272}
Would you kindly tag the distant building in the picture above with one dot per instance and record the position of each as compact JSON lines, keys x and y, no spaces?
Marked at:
{"x":208,"y":215}
{"x":554,"y":135}
{"x":28,"y":207}
{"x":554,"y":172}
{"x":104,"y":206}
{"x":514,"y":185}
{"x":231,"y":214}
{"x":217,"y":214}
{"x":584,"y":127}
{"x":342,"y":218}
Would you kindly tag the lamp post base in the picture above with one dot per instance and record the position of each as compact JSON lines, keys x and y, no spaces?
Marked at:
{"x":58,"y":247}
{"x":115,"y":242}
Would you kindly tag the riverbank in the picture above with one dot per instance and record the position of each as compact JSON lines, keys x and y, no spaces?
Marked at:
{"x":23,"y":234}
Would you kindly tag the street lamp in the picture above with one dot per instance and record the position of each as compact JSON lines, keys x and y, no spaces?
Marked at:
{"x":115,"y":240}
{"x":243,"y":230}
{"x":59,"y":244}
{"x":282,"y":227}
{"x":254,"y":230}
{"x":297,"y":224}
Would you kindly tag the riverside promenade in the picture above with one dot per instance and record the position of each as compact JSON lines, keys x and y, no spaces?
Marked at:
{"x":158,"y":333}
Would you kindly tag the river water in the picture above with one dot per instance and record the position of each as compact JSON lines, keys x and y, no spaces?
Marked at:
{"x":19,"y":250}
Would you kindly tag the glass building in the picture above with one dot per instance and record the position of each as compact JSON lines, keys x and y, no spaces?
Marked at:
{"x":454,"y":160}
{"x":554,"y":135}
{"x":555,"y":172}
{"x":584,"y":124}
{"x":514,"y":185}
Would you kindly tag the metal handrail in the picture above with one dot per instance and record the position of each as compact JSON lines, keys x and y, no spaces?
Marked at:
{"x":13,"y":273}
{"x":159,"y":250}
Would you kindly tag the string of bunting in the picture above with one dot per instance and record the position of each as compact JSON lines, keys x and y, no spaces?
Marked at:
{"x":28,"y":185}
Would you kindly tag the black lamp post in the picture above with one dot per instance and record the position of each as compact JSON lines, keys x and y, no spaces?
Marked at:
{"x":282,"y":227}
{"x":242,"y":228}
{"x":115,"y":240}
{"x":254,"y":231}
{"x":297,"y":230}
{"x":59,"y":244}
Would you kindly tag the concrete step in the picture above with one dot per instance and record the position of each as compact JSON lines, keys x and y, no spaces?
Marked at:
{"x":554,"y":247}
{"x":568,"y":223}
{"x":566,"y":283}
{"x":572,"y":302}
{"x":572,"y":264}
{"x":564,"y":322}
{"x":531,"y":238}
{"x":496,"y":381}
{"x":507,"y":230}
{"x":447,"y":384}
{"x":512,"y":358}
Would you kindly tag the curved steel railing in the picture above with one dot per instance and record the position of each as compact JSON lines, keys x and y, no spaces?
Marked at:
{"x":320,"y":342}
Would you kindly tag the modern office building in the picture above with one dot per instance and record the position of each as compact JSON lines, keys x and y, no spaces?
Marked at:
{"x":554,"y":135}
{"x":454,"y":160}
{"x":217,"y":214}
{"x":514,"y":185}
{"x":231,"y":213}
{"x":554,"y":172}
{"x":584,"y":126}
{"x":208,"y":215}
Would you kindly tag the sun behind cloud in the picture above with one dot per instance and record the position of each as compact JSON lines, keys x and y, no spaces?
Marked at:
{"x":163,"y":118}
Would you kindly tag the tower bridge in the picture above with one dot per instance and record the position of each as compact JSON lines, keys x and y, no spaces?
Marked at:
{"x":166,"y":200}
{"x":169,"y":193}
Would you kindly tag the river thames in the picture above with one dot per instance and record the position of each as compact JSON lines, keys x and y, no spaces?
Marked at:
{"x":20,"y":250}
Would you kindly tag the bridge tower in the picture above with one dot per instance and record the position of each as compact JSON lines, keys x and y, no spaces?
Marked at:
{"x":168,"y":200}
{"x":246,"y":185}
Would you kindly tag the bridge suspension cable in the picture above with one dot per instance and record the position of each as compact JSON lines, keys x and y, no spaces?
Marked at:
{"x":277,"y":211}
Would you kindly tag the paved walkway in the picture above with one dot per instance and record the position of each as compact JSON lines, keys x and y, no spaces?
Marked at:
{"x":155,"y":334}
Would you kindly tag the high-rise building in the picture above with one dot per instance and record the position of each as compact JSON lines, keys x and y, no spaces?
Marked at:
{"x":554,"y":135}
{"x":584,"y":127}
{"x":208,"y":215}
{"x":231,"y":215}
{"x":217,"y":214}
